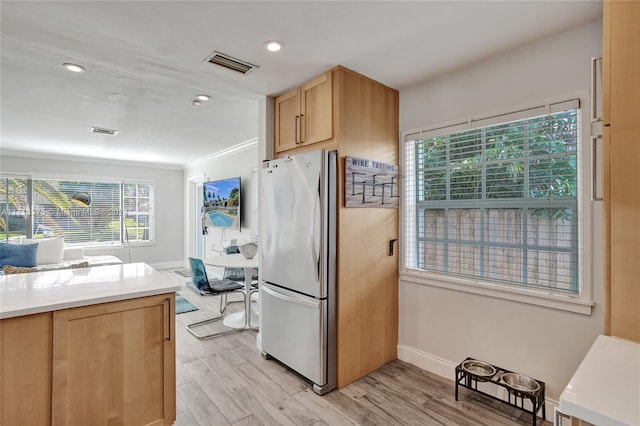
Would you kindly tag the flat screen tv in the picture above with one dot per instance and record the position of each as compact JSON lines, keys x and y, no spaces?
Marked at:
{"x":222,"y":203}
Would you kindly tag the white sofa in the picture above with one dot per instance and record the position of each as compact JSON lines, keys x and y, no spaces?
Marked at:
{"x":73,"y":256}
{"x":51,"y":254}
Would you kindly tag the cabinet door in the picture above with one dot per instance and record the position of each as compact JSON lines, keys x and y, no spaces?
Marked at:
{"x":115,"y":363}
{"x":25,"y":370}
{"x":287,"y":121}
{"x":317,"y":110}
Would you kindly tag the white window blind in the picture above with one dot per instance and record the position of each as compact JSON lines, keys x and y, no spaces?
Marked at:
{"x":496,"y":199}
{"x":101,"y":223}
{"x":98,"y":224}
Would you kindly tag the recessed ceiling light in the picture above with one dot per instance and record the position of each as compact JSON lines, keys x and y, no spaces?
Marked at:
{"x":273,"y":46}
{"x":196,"y":103}
{"x":74,"y":67}
{"x":203,"y":97}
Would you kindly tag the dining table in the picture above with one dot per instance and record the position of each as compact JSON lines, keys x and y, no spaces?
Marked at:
{"x":245,"y":319}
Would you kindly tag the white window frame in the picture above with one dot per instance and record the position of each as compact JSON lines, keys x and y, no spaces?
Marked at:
{"x":152,"y":215}
{"x":582,"y":302}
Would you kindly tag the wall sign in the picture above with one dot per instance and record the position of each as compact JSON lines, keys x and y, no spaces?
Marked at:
{"x":370,"y":183}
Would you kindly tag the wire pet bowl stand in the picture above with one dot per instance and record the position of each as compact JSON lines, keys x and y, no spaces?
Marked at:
{"x":519,"y":387}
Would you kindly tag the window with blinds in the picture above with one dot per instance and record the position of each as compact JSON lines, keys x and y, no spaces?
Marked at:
{"x":119,"y":211}
{"x":138,"y":202}
{"x":97,"y":224}
{"x":14,"y":207}
{"x":497,"y":200}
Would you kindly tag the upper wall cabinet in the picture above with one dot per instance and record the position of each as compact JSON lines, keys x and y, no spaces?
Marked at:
{"x":304,"y":115}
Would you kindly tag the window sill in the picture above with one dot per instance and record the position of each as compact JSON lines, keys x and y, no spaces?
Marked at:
{"x":536,"y":297}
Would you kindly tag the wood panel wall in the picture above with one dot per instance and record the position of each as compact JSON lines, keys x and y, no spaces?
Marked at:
{"x":621,"y":72}
{"x":367,"y":125}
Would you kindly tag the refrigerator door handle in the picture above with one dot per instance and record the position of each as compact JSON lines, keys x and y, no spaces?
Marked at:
{"x":299,"y":301}
{"x":316,"y":236}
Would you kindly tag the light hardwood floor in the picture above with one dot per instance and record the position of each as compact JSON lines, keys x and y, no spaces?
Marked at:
{"x":225,"y":381}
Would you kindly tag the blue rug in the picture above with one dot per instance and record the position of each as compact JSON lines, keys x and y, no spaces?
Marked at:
{"x":183,"y":305}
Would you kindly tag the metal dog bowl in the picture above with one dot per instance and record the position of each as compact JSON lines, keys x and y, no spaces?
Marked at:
{"x":478,"y":368}
{"x":520,"y":382}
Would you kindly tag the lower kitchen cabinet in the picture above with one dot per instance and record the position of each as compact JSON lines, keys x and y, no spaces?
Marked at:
{"x":25,"y":370}
{"x":108,"y":364}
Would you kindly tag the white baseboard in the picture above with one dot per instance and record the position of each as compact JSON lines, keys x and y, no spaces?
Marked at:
{"x":447,"y":369}
{"x":167,"y":265}
{"x":426,"y":361}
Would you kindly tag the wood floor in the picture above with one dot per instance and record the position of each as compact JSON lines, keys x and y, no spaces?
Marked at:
{"x":225,"y":381}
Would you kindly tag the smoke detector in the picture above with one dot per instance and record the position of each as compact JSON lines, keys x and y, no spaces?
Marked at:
{"x":104,"y":131}
{"x":229,"y":62}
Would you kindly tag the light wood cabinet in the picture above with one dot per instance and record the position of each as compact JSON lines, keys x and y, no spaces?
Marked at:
{"x":287,"y":116}
{"x":115,"y":363}
{"x":303,"y":116}
{"x":25,"y":370}
{"x":621,"y":103}
{"x":364,"y":116}
{"x":111,"y":363}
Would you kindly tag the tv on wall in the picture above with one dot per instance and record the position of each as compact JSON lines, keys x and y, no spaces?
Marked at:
{"x":222,"y":203}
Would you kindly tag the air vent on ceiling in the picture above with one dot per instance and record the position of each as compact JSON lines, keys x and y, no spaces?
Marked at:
{"x":104,"y":131}
{"x":230,"y":62}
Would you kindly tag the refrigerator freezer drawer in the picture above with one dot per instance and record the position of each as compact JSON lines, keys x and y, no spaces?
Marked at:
{"x":294,"y":331}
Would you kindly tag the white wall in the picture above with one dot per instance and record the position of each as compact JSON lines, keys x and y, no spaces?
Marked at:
{"x":169,"y":201}
{"x":438,"y":328}
{"x":239,"y":163}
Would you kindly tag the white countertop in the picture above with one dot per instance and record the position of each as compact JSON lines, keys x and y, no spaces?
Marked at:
{"x":605,"y":389}
{"x":32,"y":293}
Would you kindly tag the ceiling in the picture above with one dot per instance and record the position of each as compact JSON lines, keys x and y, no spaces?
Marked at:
{"x":145,"y":63}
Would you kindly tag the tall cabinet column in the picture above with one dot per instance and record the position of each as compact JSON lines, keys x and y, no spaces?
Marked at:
{"x":621,"y":90}
{"x":359,"y":117}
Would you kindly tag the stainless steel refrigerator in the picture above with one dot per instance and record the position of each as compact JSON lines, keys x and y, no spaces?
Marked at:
{"x":298,"y":238}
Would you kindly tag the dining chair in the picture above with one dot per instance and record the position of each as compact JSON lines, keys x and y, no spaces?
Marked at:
{"x":214,"y":287}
